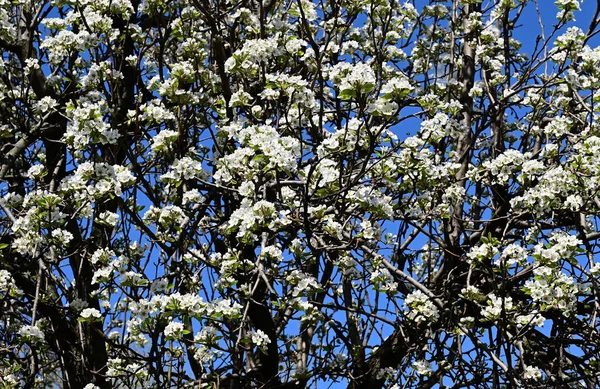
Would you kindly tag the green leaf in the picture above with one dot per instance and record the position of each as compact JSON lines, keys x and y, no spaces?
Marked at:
{"x":347,"y":94}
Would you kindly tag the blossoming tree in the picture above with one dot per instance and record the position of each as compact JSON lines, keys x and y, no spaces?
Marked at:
{"x":295,"y":193}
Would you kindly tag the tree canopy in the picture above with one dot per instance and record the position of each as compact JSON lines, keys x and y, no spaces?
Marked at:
{"x":236,"y":194}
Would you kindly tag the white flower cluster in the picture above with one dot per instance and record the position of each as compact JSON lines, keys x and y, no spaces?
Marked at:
{"x":99,"y":73}
{"x":530,"y":169}
{"x":473,"y":23}
{"x":372,"y":200}
{"x":328,"y":171}
{"x":295,"y":87}
{"x":108,"y":265}
{"x":185,"y":304}
{"x":174,"y":330}
{"x":330,"y":225}
{"x":489,"y":51}
{"x":116,"y":367}
{"x":562,"y":246}
{"x":452,"y":196}
{"x":7,"y":285}
{"x":567,"y":9}
{"x":249,"y":218}
{"x":396,"y":88}
{"x":183,"y":71}
{"x":420,"y":307}
{"x":11,"y":200}
{"x":166,"y":217}
{"x":259,"y":338}
{"x":88,"y":126}
{"x":182,"y":169}
{"x":440,"y":126}
{"x":161,"y":142}
{"x":349,"y":267}
{"x":263,"y":150}
{"x":154,"y":112}
{"x":205,"y":355}
{"x":36,"y":171}
{"x":422,"y":367}
{"x":590,"y":58}
{"x":272,"y":252}
{"x":385,"y":373}
{"x":532,"y":373}
{"x":352,"y":79}
{"x":383,"y":281}
{"x":229,"y":263}
{"x":534,"y":319}
{"x":504,"y":166}
{"x":240,"y":98}
{"x":553,"y":184}
{"x":568,"y":45}
{"x":569,"y":5}
{"x":513,"y":254}
{"x":65,"y":43}
{"x":40,"y":222}
{"x":90,"y":314}
{"x":108,"y":218}
{"x":208,"y":334}
{"x":559,"y":126}
{"x":192,"y":197}
{"x":101,"y":9}
{"x":482,"y":252}
{"x":345,"y":138}
{"x":551,"y":288}
{"x":255,"y":51}
{"x":496,"y":307}
{"x":303,"y":283}
{"x":309,"y":9}
{"x":32,"y":333}
{"x":295,"y":45}
{"x":370,"y":231}
{"x":108,"y":180}
{"x":382,"y":107}
{"x":471,"y":293}
{"x":102,"y":256}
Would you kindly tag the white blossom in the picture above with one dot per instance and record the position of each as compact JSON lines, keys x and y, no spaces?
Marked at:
{"x":422,"y":367}
{"x":90,"y":314}
{"x":420,"y":307}
{"x":174,"y":330}
{"x":259,"y":338}
{"x":32,"y":332}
